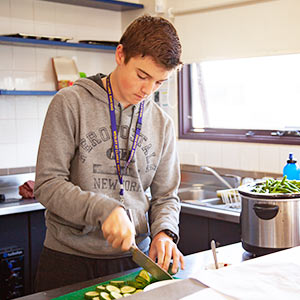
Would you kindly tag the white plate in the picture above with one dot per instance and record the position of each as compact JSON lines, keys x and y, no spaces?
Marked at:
{"x":159,"y":284}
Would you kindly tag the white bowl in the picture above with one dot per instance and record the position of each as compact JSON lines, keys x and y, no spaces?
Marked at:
{"x":159,"y":284}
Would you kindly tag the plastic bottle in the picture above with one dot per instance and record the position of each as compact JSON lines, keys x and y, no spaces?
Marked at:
{"x":291,"y":169}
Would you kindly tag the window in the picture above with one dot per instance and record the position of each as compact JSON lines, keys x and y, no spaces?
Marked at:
{"x":249,"y":100}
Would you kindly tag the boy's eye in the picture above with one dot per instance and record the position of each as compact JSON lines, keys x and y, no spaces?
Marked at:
{"x":141,"y":77}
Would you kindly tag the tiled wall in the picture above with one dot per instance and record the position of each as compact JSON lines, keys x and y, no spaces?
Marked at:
{"x":30,"y":68}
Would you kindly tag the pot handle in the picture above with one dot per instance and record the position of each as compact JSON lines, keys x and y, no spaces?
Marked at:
{"x":265,"y":211}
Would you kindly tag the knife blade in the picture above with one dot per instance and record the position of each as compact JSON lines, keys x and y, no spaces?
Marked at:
{"x":144,"y":261}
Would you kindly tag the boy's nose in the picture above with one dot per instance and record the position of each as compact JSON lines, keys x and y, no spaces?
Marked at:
{"x":147,"y":89}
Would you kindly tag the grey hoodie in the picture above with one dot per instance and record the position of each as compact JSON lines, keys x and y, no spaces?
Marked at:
{"x":76,"y":178}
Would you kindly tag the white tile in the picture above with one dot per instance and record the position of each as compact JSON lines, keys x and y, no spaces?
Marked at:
{"x":44,"y":11}
{"x":7,"y":107}
{"x":43,"y":104}
{"x":26,"y":154}
{"x":24,"y":80}
{"x":6,"y":80}
{"x":8,"y":157}
{"x":5,"y":8}
{"x":44,"y":29}
{"x":5,"y":25}
{"x":6,"y":57}
{"x":26,"y":107}
{"x":21,"y":9}
{"x":231,"y":155}
{"x":249,"y":158}
{"x":24,"y":59}
{"x":44,"y":59}
{"x":22,"y":26}
{"x":94,"y":62}
{"x":269,"y":160}
{"x":213,"y":154}
{"x":186,"y":156}
{"x":45,"y":81}
{"x":27,"y":131}
{"x":8,"y":132}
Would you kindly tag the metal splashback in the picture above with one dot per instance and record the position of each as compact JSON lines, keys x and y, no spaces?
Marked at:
{"x":9,"y":184}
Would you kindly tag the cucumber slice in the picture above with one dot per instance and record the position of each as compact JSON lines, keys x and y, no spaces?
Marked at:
{"x":90,"y":295}
{"x":104,"y":296}
{"x":138,"y":291}
{"x":117,"y":283}
{"x":144,"y":274}
{"x":111,"y":288}
{"x":126,"y":295}
{"x":100,"y":288}
{"x":141,"y":280}
{"x":126,"y":289}
{"x":115,"y":295}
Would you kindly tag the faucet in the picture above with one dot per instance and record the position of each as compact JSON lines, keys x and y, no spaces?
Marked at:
{"x":212,"y":171}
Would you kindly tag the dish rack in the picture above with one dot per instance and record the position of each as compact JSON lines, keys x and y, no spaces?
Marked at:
{"x":230,"y":197}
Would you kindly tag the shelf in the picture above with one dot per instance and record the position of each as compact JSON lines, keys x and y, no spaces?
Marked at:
{"x":27,"y":93}
{"x":102,"y":4}
{"x":47,"y":43}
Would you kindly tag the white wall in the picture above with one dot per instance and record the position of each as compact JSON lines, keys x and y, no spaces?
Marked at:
{"x":30,"y":68}
{"x":262,"y":28}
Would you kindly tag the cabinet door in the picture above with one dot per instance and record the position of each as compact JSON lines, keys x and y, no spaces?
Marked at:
{"x":14,"y":232}
{"x":224,"y":233}
{"x":37,"y":234}
{"x":193,"y":231}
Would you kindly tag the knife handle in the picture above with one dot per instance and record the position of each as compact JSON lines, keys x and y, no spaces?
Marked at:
{"x":130,"y":216}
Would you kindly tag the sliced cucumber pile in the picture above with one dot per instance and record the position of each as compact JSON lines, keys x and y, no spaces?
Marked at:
{"x":116,"y":289}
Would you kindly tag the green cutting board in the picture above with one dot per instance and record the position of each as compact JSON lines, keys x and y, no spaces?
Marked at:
{"x":79,"y":295}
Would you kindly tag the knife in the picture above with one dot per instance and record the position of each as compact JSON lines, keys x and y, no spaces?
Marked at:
{"x":144,"y":261}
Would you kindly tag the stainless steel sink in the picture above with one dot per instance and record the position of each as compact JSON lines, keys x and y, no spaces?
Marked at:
{"x":207,"y":198}
{"x":196,"y":194}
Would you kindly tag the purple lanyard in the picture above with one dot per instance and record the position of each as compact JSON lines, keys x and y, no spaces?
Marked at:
{"x":115,"y":139}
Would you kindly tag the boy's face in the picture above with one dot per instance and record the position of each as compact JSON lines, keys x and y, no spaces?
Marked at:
{"x":139,"y":78}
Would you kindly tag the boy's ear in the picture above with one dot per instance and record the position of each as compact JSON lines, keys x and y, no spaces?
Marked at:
{"x":120,"y":56}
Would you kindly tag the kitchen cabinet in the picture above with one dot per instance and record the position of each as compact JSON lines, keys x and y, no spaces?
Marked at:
{"x":196,"y":232}
{"x":15,"y":232}
{"x":37,"y":235}
{"x":26,"y":231}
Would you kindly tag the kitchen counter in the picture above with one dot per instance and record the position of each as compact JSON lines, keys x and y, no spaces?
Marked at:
{"x":27,"y":205}
{"x":22,"y":206}
{"x":210,"y":212}
{"x":231,"y":254}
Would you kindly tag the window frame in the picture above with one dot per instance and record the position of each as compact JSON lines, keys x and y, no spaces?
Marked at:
{"x":186,"y":130}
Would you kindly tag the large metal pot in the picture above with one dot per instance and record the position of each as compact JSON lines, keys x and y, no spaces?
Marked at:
{"x":269,"y":222}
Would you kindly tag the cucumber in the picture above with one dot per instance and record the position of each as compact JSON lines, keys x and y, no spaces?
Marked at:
{"x":126,"y":289}
{"x":126,"y":295}
{"x":104,"y":296}
{"x":138,"y":291}
{"x":144,"y":274}
{"x":117,"y":283}
{"x":115,"y":295}
{"x":100,"y":288}
{"x":90,"y":295}
{"x":111,"y":288}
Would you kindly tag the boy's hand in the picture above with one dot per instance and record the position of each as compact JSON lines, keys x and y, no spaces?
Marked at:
{"x":118,"y":230}
{"x":164,"y":249}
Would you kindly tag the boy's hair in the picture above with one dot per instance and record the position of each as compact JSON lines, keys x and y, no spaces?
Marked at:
{"x":155,"y":37}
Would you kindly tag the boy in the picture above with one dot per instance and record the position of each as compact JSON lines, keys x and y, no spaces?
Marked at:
{"x":103,"y":145}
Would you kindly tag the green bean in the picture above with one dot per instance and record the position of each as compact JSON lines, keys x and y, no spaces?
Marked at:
{"x":271,"y":186}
